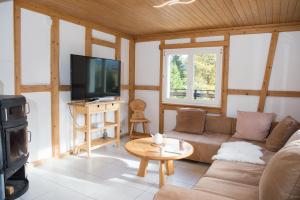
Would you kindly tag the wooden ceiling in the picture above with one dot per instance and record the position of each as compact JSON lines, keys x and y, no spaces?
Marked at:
{"x":139,"y":17}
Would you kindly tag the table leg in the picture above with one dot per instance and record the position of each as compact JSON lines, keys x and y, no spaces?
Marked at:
{"x":161,"y":173}
{"x":143,"y":167}
{"x":170,"y":167}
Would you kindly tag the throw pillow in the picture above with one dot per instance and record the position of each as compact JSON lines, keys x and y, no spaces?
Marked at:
{"x":190,"y":120}
{"x":253,"y":125}
{"x":281,"y":177}
{"x":281,"y":133}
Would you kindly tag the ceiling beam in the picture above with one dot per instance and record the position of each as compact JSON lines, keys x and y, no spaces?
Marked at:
{"x":268,"y":28}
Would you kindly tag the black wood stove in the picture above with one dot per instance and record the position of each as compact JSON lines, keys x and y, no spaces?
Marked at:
{"x":13,"y":146}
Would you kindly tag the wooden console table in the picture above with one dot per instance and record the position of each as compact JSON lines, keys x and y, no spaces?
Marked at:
{"x":87,"y":109}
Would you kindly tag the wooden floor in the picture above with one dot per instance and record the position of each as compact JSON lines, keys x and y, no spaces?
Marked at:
{"x":109,"y":174}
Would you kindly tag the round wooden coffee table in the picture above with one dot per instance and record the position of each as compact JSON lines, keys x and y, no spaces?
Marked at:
{"x":146,"y":150}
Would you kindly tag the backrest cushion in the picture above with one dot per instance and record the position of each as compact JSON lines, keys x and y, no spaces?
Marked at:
{"x":294,"y":137}
{"x":190,"y":120}
{"x":281,"y":177}
{"x":253,"y":125}
{"x":218,"y":124}
{"x":281,"y":133}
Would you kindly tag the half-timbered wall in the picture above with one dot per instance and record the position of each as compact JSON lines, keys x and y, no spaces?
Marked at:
{"x":248,"y":56}
{"x":43,"y":42}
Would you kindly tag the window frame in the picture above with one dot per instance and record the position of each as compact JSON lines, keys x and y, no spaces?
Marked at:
{"x":189,"y":100}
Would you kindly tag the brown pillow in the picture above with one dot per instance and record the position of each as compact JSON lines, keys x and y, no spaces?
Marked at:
{"x":253,"y":125}
{"x":281,"y":177}
{"x":281,"y":133}
{"x":190,"y":120}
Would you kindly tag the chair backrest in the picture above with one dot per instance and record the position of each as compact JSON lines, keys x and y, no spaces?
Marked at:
{"x":138,"y":107}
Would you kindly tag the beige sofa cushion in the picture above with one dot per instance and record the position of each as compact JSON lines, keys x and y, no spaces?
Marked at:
{"x":281,"y":177}
{"x":190,"y":120}
{"x":239,"y":172}
{"x":170,"y":192}
{"x":219,"y":124}
{"x":281,"y":133}
{"x":205,"y":145}
{"x":227,"y":188}
{"x":253,"y":125}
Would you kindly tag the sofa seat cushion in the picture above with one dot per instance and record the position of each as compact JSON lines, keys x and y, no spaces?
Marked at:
{"x":240,"y":172}
{"x":205,"y":145}
{"x":227,"y":188}
{"x":170,"y":192}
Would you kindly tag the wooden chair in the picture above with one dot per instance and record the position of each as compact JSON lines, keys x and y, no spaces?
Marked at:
{"x":137,"y":107}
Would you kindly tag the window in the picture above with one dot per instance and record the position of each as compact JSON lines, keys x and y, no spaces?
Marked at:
{"x":192,"y":76}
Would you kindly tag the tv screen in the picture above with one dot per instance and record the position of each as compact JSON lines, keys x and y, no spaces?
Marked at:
{"x":94,"y":77}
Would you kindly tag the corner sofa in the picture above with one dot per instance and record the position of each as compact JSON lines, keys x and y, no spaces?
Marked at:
{"x":217,"y":130}
{"x":237,"y":180}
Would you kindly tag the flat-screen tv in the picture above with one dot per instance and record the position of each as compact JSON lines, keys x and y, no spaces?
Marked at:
{"x":93,"y":78}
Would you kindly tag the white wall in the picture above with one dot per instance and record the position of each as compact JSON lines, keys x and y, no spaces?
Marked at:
{"x":35,"y":70}
{"x":72,"y":41}
{"x":247,"y":63}
{"x":35,"y":48}
{"x":6,"y":48}
{"x":147,"y":73}
{"x":248,"y":57}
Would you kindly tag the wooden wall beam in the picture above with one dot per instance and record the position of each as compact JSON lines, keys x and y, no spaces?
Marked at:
{"x":88,"y":41}
{"x":244,"y":92}
{"x":195,"y":45}
{"x":271,"y":93}
{"x":124,"y":87}
{"x":131,"y":92}
{"x":268,"y":70}
{"x":35,"y":88}
{"x":283,"y":93}
{"x":65,"y":88}
{"x":118,"y":48}
{"x":17,"y":48}
{"x":50,"y":12}
{"x":214,"y":110}
{"x":146,"y":87}
{"x":225,"y":72}
{"x":103,"y":43}
{"x":55,"y":86}
{"x":269,"y":28}
{"x":161,"y":108}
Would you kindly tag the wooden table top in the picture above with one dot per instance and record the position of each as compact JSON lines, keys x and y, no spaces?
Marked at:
{"x":144,"y":148}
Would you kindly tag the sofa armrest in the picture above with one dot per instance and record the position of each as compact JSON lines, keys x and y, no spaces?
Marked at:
{"x":170,"y":192}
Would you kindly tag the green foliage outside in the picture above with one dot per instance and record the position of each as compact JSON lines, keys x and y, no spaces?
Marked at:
{"x":178,"y":78}
{"x":205,"y":72}
{"x":204,"y":77}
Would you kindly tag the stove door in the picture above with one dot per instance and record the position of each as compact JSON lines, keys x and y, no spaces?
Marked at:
{"x":16,"y":146}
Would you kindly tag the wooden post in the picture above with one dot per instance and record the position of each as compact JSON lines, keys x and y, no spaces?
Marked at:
{"x":55,"y":86}
{"x":225,"y":71}
{"x":131,"y":76}
{"x":161,"y":108}
{"x":17,"y":48}
{"x":118,"y":48}
{"x":268,"y":70}
{"x":88,"y":41}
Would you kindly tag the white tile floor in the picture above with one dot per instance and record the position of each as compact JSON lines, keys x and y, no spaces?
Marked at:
{"x":109,"y":174}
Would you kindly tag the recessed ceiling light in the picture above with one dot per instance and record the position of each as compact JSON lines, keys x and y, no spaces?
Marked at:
{"x":173,"y":2}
